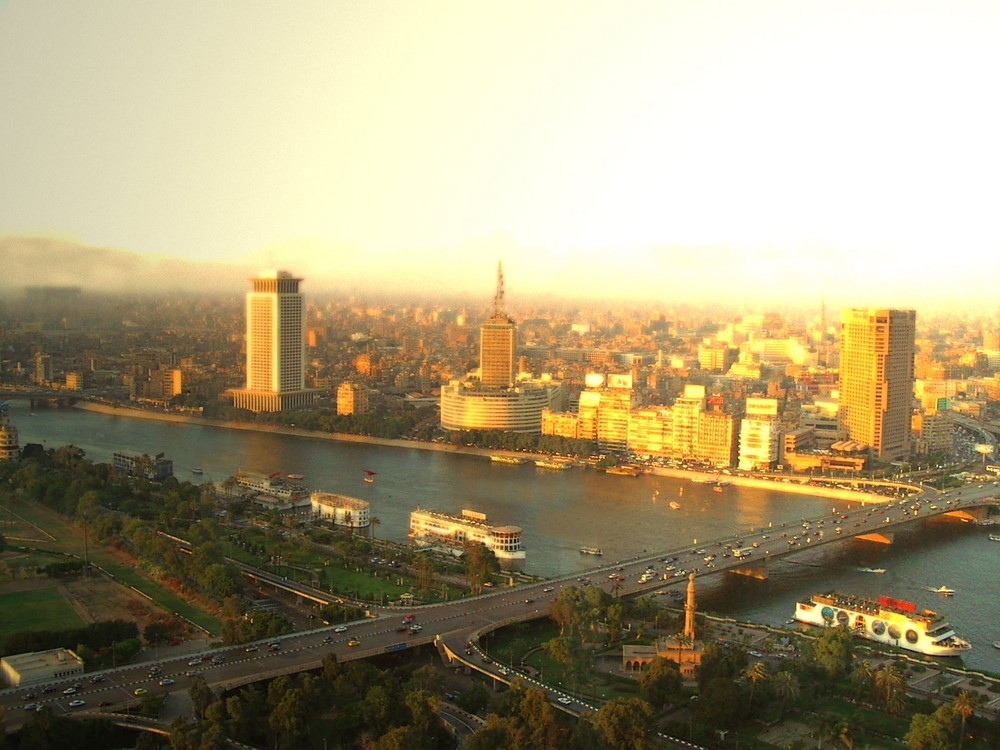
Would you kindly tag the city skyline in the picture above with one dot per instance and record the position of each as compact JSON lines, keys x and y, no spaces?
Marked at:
{"x":648,"y":150}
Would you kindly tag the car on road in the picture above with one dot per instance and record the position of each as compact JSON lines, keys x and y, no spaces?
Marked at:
{"x":354,"y":642}
{"x":69,"y":691}
{"x":194,"y":662}
{"x":139,"y":691}
{"x":250,"y":649}
{"x":328,"y":639}
{"x":402,"y":629}
{"x":31,"y":696}
{"x":564,"y":700}
{"x":528,"y":601}
{"x":166,"y":681}
{"x":32,"y":706}
{"x":548,"y":589}
{"x":77,"y":703}
{"x":340,"y":629}
{"x":415,"y":628}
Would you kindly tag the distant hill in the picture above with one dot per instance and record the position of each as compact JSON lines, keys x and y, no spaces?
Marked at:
{"x":44,"y":261}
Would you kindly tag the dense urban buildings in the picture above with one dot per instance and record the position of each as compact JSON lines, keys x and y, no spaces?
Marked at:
{"x":876,"y":378}
{"x":631,"y":381}
{"x":275,"y":345}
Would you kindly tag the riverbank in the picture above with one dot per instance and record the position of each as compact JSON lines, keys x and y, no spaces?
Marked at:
{"x":343,"y":437}
{"x":786,"y":484}
{"x":795,"y":485}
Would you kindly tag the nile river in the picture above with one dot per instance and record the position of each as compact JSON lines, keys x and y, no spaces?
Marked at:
{"x":560,"y":511}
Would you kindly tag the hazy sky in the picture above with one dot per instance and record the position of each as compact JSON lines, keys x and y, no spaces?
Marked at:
{"x":661,"y":149}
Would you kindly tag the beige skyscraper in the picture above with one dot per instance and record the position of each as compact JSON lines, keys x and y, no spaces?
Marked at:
{"x":275,"y":345}
{"x":496,"y":343}
{"x":876,"y":378}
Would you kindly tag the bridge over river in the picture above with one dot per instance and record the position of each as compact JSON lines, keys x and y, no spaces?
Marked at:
{"x":454,"y":627}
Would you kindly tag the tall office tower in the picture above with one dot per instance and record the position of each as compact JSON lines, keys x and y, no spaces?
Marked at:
{"x":876,"y":378}
{"x":43,"y":368}
{"x":9,"y":450}
{"x":275,"y":346}
{"x":496,"y":343}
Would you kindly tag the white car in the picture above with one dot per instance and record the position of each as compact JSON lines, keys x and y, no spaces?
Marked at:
{"x":564,"y":700}
{"x":340,"y":629}
{"x":77,"y":703}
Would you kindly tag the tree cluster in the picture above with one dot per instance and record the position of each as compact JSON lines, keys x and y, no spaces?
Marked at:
{"x":97,"y":637}
{"x":527,"y":720}
{"x":60,"y":569}
{"x":515,"y":441}
{"x":354,"y":705}
{"x":382,"y":423}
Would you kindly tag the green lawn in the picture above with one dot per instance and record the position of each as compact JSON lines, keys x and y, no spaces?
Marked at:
{"x":341,"y":578}
{"x":45,"y":609}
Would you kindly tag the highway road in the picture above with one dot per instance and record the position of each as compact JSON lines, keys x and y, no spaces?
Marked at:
{"x":453,"y":624}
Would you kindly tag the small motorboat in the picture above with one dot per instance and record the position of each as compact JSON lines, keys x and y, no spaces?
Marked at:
{"x":943,"y":590}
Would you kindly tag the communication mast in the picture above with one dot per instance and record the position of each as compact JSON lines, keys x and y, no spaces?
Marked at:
{"x":498,"y":310}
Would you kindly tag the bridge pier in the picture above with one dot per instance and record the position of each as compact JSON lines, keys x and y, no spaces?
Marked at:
{"x":756,"y":571}
{"x":969,"y":514}
{"x":881,"y":537}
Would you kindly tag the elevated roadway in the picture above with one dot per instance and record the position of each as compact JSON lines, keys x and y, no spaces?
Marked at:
{"x":452,"y":625}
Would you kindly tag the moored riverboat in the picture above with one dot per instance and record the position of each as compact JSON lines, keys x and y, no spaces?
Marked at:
{"x":890,"y":621}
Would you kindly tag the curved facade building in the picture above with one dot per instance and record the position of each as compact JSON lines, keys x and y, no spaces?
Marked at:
{"x":466,"y":405}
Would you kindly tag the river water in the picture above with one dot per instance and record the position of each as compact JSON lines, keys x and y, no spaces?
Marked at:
{"x":560,"y":511}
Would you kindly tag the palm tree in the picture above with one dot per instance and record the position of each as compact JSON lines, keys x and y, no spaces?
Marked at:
{"x":756,"y":672}
{"x":890,"y":689}
{"x":965,"y":704}
{"x":373,"y":523}
{"x":826,"y":728}
{"x":862,"y":676}
{"x":786,"y":687}
{"x":843,"y":731}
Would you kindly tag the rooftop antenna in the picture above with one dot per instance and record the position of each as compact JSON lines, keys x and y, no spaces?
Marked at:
{"x":498,"y":299}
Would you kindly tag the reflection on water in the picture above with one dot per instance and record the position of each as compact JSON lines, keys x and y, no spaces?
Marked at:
{"x":562,"y":511}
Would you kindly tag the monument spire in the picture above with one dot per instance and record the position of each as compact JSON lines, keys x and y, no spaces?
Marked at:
{"x":689,"y":609}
